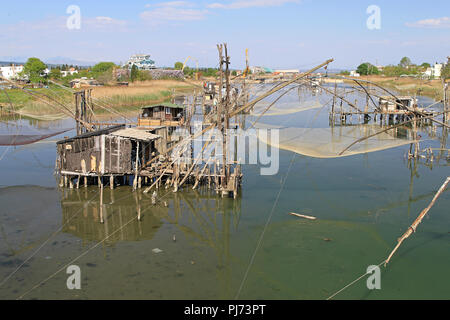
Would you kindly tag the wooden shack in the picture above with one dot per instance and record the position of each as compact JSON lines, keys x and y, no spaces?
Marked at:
{"x":389,"y":104}
{"x":167,"y":114}
{"x":113,"y":151}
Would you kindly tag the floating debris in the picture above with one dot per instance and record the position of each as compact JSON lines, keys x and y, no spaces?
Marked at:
{"x":302,"y":216}
{"x":157,"y":250}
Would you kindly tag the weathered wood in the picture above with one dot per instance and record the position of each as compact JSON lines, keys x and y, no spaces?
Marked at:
{"x":135,"y":181}
{"x":302,"y":216}
{"x":418,"y":220}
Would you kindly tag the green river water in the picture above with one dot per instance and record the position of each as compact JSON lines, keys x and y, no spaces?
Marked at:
{"x":363,"y":203}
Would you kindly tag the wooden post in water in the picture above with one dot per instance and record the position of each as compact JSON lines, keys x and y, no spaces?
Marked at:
{"x":135,"y":181}
{"x":446,"y":99}
{"x":332,"y":106}
{"x":226,"y":166}
{"x":101,"y":205}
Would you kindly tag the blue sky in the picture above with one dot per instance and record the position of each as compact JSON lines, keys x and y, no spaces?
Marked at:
{"x":278,"y":33}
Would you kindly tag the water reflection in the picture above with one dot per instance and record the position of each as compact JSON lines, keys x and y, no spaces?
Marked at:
{"x":112,"y":215}
{"x":19,"y":130}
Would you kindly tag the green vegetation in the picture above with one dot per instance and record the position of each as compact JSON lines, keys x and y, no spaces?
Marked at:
{"x":367,"y":69}
{"x":34,"y":69}
{"x":103,"y":71}
{"x":134,"y":73}
{"x":205,"y":72}
{"x":124,"y":98}
{"x":55,"y":74}
{"x":445,"y":74}
{"x":405,"y":62}
{"x":344,"y":73}
{"x":102,"y":67}
{"x":405,"y":67}
{"x":178,"y":65}
{"x":21,"y":99}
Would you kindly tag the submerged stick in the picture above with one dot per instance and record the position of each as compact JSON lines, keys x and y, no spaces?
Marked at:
{"x":302,"y":216}
{"x":416,"y":222}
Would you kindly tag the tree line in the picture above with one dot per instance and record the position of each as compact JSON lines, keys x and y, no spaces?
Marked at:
{"x":404,"y":67}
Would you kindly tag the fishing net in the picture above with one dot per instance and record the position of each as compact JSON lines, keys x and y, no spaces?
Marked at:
{"x":330,"y":142}
{"x":22,"y":139}
{"x":305,"y":127}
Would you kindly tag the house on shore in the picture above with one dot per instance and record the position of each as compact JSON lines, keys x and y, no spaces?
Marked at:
{"x":11,"y":72}
{"x":141,"y":61}
{"x":434,"y":72}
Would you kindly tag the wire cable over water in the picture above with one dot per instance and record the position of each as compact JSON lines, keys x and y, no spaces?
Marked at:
{"x":265,"y":228}
{"x":88,"y":250}
{"x":352,"y":283}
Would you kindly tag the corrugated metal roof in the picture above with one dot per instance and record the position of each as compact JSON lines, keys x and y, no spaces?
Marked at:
{"x":93,"y":133}
{"x":136,"y":134}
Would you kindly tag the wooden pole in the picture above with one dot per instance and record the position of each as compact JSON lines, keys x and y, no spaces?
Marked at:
{"x":135,"y":181}
{"x":418,"y":220}
{"x":226,"y":167}
{"x":248,"y":105}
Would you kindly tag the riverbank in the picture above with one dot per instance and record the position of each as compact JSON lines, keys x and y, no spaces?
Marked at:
{"x":409,"y":86}
{"x":123,"y":99}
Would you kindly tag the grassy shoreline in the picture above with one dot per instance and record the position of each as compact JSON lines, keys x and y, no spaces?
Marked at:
{"x":408,"y":86}
{"x":119,"y":98}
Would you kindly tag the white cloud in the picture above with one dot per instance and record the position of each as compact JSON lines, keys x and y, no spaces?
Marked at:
{"x":443,"y":22}
{"x":58,"y":24}
{"x":240,"y":4}
{"x":172,"y":11}
{"x":170,"y":4}
{"x":103,"y":22}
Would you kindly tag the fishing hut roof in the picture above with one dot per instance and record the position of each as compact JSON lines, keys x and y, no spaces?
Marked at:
{"x":93,"y":133}
{"x":136,"y":134}
{"x":165,"y":104}
{"x":398,"y":97}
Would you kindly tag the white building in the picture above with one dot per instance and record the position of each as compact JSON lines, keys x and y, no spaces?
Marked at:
{"x":434,"y":72}
{"x":353,"y":73}
{"x":288,"y":71}
{"x":257,"y":69}
{"x":11,"y":72}
{"x":71,"y":72}
{"x":141,"y":61}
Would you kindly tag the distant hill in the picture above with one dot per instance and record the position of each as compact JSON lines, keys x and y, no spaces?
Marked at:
{"x":51,"y":62}
{"x":7,"y":63}
{"x":69,"y":61}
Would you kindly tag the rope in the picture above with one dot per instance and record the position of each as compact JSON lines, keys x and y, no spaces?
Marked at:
{"x":46,"y":241}
{"x":85,"y":252}
{"x":265,"y":228}
{"x":351,"y":283}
